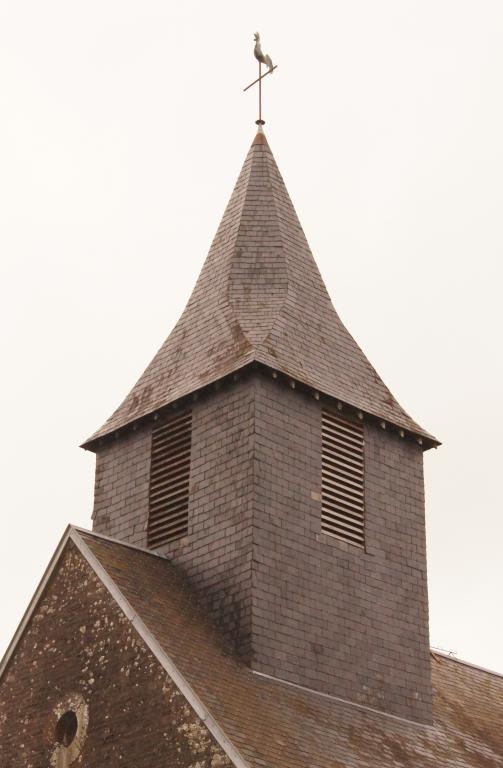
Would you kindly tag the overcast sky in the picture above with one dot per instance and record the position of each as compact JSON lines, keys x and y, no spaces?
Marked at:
{"x":123,"y":127}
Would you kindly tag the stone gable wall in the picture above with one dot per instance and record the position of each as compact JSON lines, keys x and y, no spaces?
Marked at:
{"x":80,"y":651}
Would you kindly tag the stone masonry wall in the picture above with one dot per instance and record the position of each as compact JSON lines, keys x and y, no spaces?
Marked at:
{"x":326,"y":614}
{"x":80,"y":650}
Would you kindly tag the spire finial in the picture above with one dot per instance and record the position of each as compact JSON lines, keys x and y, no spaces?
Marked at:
{"x":262,"y":59}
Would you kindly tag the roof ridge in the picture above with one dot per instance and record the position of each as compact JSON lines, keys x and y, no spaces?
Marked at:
{"x":466,"y":663}
{"x":121,"y":542}
{"x":281,"y":225}
{"x":259,"y":155}
{"x":246,"y":166}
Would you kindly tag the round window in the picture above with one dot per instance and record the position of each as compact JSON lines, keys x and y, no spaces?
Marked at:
{"x":66,"y":728}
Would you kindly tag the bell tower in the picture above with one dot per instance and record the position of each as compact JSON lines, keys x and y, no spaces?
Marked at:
{"x":262,"y":453}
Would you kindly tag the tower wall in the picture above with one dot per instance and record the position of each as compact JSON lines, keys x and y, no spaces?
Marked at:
{"x":217,"y":552}
{"x":326,"y":614}
{"x":297,"y":604}
{"x":121,"y":487}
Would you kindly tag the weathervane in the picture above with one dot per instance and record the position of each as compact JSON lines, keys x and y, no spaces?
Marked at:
{"x":262,"y":59}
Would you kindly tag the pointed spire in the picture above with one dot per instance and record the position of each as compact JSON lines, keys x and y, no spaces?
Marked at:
{"x":260,"y":297}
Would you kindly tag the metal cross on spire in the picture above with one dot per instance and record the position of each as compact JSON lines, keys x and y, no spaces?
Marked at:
{"x":262,"y":59}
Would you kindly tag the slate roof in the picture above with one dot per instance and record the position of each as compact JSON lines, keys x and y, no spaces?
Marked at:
{"x":260,"y":298}
{"x":270,"y":724}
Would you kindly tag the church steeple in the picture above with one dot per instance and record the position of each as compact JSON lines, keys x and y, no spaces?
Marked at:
{"x":252,"y":453}
{"x":260,"y":299}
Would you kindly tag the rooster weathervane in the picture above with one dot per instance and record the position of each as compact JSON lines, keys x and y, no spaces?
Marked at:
{"x":262,"y":59}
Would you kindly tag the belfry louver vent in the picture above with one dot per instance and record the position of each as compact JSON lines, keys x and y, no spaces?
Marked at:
{"x":169,"y":480}
{"x":342,"y":483}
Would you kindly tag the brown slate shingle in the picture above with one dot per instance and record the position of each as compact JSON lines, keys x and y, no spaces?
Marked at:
{"x":277,"y":725}
{"x":260,"y":297}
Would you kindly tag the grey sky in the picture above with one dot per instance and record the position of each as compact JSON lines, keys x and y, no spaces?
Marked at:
{"x":123,"y":127}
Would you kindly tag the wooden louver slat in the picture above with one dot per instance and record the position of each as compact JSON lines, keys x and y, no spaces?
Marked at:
{"x":169,"y":480}
{"x":342,"y":479}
